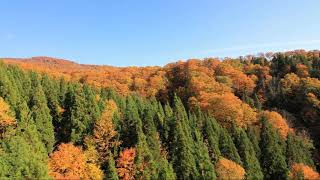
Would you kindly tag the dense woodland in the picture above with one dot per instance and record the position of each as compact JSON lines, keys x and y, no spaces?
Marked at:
{"x":253,"y":117}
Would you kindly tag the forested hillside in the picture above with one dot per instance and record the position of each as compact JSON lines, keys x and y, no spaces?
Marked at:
{"x":253,"y":117}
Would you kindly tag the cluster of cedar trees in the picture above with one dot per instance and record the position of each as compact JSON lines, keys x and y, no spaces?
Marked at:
{"x":205,"y":124}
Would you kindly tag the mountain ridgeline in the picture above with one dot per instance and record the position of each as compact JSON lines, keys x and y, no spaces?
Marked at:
{"x":253,"y":117}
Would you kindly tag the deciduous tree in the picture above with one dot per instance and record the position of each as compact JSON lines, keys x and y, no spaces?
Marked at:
{"x":227,"y":169}
{"x":125,"y":164}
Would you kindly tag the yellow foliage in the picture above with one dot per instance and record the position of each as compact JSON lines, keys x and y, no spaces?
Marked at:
{"x":104,"y":132}
{"x":93,"y":172}
{"x":313,"y":100}
{"x":6,"y":119}
{"x":227,"y":169}
{"x":289,"y":83}
{"x":308,"y":82}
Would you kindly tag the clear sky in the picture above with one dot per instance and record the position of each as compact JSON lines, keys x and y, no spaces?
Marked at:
{"x":150,"y":32}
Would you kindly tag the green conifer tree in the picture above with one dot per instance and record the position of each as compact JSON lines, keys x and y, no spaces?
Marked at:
{"x":247,"y":154}
{"x":273,"y":160}
{"x":23,"y":155}
{"x":76,"y":121}
{"x":227,"y":147}
{"x":182,"y":149}
{"x":299,"y":150}
{"x":111,"y":172}
{"x":41,"y":115}
{"x":203,"y":161}
{"x":211,"y":130}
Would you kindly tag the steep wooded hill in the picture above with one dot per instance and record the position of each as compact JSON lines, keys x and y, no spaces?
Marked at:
{"x":257,"y":116}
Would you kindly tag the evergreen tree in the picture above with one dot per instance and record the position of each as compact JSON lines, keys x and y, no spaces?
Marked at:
{"x":254,"y":136}
{"x":111,"y":172}
{"x":128,"y":131}
{"x":146,"y":166}
{"x":76,"y":121}
{"x":257,"y":103}
{"x":227,"y":147}
{"x":23,"y":155}
{"x":167,"y":128}
{"x":298,"y":150}
{"x":203,"y":161}
{"x":8,"y":90}
{"x":50,"y":89}
{"x":62,"y":91}
{"x":41,"y":116}
{"x":92,"y":108}
{"x":247,"y":154}
{"x":164,"y":169}
{"x":272,"y":156}
{"x":211,"y":130}
{"x":21,"y":160}
{"x":182,"y":150}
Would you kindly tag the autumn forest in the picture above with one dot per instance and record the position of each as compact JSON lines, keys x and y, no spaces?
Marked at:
{"x":251,"y":117}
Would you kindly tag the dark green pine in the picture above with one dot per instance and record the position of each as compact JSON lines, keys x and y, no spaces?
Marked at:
{"x":273,"y":160}
{"x":41,"y":115}
{"x":247,"y":154}
{"x":227,"y":147}
{"x":182,"y":149}
{"x":299,"y":150}
{"x":111,"y":171}
{"x":211,"y":131}
{"x":23,"y":155}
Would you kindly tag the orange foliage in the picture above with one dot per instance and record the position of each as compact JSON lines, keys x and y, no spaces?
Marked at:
{"x":260,"y":75}
{"x":69,"y":162}
{"x":125,"y":164}
{"x":6,"y":119}
{"x":104,"y":132}
{"x":258,"y":70}
{"x":302,"y":70}
{"x":144,"y":80}
{"x":216,"y":96}
{"x":302,"y":169}
{"x":241,"y":82}
{"x":208,"y":81}
{"x":277,"y":122}
{"x":228,"y":108}
{"x":147,"y":81}
{"x":200,"y":83}
{"x":227,"y":169}
{"x":312,"y":98}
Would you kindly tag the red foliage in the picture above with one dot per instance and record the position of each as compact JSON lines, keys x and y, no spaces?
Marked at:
{"x":125,"y":164}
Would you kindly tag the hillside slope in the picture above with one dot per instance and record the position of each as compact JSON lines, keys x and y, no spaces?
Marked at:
{"x":265,"y":96}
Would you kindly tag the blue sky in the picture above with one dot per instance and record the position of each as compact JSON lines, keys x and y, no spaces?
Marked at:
{"x":150,"y":32}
